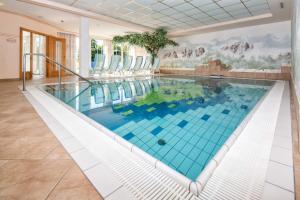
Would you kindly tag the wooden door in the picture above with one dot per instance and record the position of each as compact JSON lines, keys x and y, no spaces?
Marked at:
{"x":56,"y":50}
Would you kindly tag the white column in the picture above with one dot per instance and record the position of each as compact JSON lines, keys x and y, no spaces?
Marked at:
{"x":109,"y":51}
{"x":84,"y":45}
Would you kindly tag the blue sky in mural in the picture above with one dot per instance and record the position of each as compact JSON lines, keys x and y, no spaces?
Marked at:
{"x":258,"y":47}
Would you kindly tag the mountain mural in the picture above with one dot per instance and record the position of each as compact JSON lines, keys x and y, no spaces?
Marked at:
{"x":257,"y":47}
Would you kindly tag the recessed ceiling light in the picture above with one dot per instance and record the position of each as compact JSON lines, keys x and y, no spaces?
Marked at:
{"x":62,"y":21}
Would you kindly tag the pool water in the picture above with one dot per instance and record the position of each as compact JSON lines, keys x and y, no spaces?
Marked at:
{"x":181,"y":121}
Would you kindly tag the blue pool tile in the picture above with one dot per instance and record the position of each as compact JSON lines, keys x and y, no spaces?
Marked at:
{"x":182,"y":123}
{"x":202,"y":158}
{"x":202,"y":143}
{"x":193,"y":172}
{"x":157,"y":130}
{"x":180,"y":144}
{"x":178,"y":160}
{"x":245,"y":107}
{"x":185,"y":166}
{"x":226,"y":112}
{"x":187,"y":148}
{"x":170,"y":155}
{"x":205,"y":117}
{"x":209,"y":147}
{"x":195,"y":152}
{"x":128,"y":136}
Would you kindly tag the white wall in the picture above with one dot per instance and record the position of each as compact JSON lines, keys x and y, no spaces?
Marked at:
{"x":9,"y":50}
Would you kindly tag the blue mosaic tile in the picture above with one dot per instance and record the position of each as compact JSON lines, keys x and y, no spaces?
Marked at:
{"x":245,"y":107}
{"x":157,"y":130}
{"x":194,"y":128}
{"x":194,"y":171}
{"x":205,"y":117}
{"x":226,"y":112}
{"x":182,"y":123}
{"x":128,"y":136}
{"x":178,"y":160}
{"x":185,"y":166}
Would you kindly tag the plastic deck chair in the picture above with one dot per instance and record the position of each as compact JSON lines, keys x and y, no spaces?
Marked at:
{"x":100,"y":60}
{"x":155,"y":65}
{"x":138,"y":63}
{"x":127,"y":63}
{"x":114,"y":63}
{"x":147,"y":63}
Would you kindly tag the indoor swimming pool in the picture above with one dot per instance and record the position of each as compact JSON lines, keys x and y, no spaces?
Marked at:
{"x":181,"y":121}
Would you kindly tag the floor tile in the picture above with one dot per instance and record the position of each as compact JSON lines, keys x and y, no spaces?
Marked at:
{"x":121,"y":193}
{"x":31,"y":179}
{"x":71,"y":144}
{"x":282,"y":155}
{"x":85,"y":159}
{"x":272,"y":192}
{"x":103,"y":179}
{"x":280,"y":175}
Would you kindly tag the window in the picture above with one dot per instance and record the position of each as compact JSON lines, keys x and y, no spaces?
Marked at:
{"x":96,"y":48}
{"x":121,"y":49}
{"x":117,"y":49}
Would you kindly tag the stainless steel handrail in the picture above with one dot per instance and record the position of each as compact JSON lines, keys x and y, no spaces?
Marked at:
{"x":53,"y":61}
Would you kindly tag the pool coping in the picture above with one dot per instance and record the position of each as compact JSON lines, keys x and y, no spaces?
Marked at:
{"x":193,"y":186}
{"x":113,"y":186}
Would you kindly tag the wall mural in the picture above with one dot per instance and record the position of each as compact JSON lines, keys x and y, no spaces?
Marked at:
{"x":257,"y":47}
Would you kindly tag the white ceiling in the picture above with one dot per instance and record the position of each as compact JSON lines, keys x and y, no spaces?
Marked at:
{"x":180,"y":17}
{"x":173,"y":14}
{"x":101,"y":29}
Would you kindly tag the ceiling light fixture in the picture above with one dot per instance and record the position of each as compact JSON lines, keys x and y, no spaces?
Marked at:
{"x":62,"y":21}
{"x":1,"y":4}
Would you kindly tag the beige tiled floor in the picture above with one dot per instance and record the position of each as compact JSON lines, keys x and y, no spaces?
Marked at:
{"x":33,"y":164}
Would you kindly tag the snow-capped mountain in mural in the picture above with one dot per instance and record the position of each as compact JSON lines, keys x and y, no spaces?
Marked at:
{"x":268,"y":48}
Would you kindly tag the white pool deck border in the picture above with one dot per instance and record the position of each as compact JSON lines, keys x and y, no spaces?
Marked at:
{"x":83,"y":141}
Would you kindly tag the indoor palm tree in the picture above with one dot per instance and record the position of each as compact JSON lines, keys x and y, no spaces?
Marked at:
{"x":152,"y":42}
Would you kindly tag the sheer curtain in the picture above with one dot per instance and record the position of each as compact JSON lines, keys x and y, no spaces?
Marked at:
{"x":72,"y":50}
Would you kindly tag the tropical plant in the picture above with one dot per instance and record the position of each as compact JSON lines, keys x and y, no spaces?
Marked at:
{"x":152,"y":42}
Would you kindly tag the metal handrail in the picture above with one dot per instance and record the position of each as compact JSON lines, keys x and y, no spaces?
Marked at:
{"x":53,"y":61}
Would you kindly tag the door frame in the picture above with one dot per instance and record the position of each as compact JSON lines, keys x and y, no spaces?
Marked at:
{"x":31,"y":49}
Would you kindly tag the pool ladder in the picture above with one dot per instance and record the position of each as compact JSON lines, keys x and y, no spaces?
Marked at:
{"x":60,"y":67}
